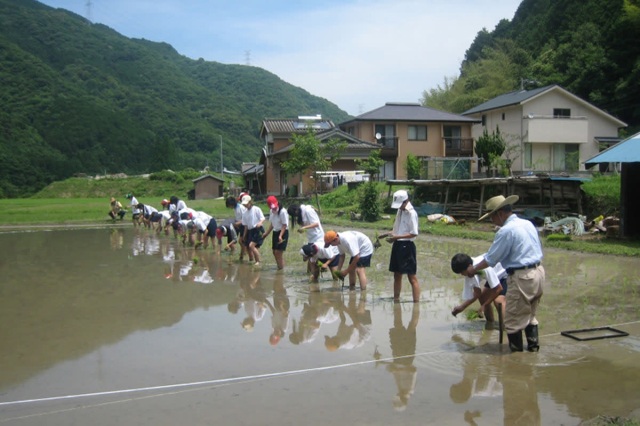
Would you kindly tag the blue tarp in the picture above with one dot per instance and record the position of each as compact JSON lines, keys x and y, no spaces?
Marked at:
{"x":430,"y":208}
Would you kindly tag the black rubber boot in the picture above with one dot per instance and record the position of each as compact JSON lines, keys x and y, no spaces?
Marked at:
{"x":531,"y":331}
{"x":515,"y":341}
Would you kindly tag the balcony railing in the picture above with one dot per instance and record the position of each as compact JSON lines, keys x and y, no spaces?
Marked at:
{"x":388,"y":145}
{"x":458,"y":147}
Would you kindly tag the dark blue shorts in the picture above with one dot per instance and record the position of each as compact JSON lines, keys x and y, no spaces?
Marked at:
{"x":503,"y":282}
{"x":155,"y":217}
{"x":275,"y":236}
{"x":403,"y":258}
{"x":211,"y":228}
{"x":334,"y":262}
{"x":255,"y":236}
{"x":363,"y":262}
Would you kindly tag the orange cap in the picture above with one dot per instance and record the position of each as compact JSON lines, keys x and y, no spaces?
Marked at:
{"x":329,"y":236}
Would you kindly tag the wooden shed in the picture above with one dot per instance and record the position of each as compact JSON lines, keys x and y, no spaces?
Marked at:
{"x":550,"y":195}
{"x":207,"y":187}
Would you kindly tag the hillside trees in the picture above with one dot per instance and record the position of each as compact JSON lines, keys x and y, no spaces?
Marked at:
{"x":588,"y":47}
{"x":93,"y":101}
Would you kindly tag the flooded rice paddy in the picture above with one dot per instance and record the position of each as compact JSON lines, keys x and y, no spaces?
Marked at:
{"x":123,"y":326}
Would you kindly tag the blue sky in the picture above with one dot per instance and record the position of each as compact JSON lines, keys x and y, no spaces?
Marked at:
{"x":357,"y":54}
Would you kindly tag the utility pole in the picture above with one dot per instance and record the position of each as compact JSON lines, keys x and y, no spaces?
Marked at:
{"x":221,"y":166}
{"x":88,"y":5}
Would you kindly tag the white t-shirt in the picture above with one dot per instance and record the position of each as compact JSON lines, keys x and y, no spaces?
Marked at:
{"x":354,"y":243}
{"x":406,"y":222}
{"x":278,"y":219}
{"x":239,"y":211}
{"x":491,"y":274}
{"x":134,"y":205}
{"x":310,"y":216}
{"x":149,"y":209}
{"x":252,"y":217}
{"x":323,"y":253}
{"x":180,"y":205}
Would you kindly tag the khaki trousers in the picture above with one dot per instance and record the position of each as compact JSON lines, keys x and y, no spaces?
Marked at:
{"x":524,"y":290}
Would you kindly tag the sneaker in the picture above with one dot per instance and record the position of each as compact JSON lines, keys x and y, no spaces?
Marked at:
{"x":256,"y":265}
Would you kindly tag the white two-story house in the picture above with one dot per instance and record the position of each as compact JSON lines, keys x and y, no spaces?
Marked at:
{"x":547,"y":129}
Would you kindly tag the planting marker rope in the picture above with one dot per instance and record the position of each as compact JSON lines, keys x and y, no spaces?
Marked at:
{"x":237,"y":379}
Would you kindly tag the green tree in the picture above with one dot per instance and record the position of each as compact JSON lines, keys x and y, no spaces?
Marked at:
{"x":412,"y":167}
{"x":369,"y":201}
{"x":490,"y":147}
{"x":372,"y":164}
{"x":311,"y":155}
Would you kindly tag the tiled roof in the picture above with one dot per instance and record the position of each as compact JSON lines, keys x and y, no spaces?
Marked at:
{"x":523,"y":96}
{"x":399,"y":111}
{"x":353,"y":143}
{"x":288,"y":125}
{"x":508,"y":99}
{"x":207,"y":177}
{"x":627,"y":151}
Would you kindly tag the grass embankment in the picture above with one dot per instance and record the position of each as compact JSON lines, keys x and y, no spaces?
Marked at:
{"x":92,"y":205}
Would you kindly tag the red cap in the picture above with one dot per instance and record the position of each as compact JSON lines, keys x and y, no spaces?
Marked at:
{"x":272,"y":202}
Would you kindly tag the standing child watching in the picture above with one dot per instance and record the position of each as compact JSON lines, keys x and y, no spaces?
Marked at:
{"x":279,"y":224}
{"x":403,"y":252}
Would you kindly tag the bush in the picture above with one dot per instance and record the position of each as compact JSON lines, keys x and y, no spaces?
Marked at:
{"x":370,"y":202}
{"x":602,"y":196}
{"x":166,"y":175}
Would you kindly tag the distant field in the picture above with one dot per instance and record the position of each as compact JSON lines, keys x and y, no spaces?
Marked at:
{"x":27,"y":211}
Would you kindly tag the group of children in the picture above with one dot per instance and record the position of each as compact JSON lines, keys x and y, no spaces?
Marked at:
{"x":323,"y":251}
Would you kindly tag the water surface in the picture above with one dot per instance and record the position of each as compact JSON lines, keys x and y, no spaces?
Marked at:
{"x":123,"y":326}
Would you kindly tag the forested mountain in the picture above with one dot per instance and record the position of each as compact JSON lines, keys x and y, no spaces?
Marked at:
{"x":78,"y":97}
{"x":589,"y":47}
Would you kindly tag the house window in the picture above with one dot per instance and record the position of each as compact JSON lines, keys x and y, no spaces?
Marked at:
{"x":386,"y":135}
{"x":452,"y":138}
{"x":561,"y":113}
{"x":484,"y":119}
{"x":417,"y":133}
{"x":503,"y":116}
{"x":528,"y":155}
{"x":566,"y":157}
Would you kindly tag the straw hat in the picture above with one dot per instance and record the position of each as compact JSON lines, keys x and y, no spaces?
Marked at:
{"x":496,"y":203}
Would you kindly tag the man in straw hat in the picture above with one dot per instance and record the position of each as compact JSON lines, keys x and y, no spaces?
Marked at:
{"x":517,"y":247}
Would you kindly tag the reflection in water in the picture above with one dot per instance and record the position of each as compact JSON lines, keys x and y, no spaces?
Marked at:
{"x":279,"y":310}
{"x":322,"y":308}
{"x":107,"y":309}
{"x":255,"y":302}
{"x":403,"y":347}
{"x":488,"y":377}
{"x":117,"y":239}
{"x":355,"y":333}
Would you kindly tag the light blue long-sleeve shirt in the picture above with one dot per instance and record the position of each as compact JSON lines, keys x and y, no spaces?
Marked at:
{"x":516,"y":244}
